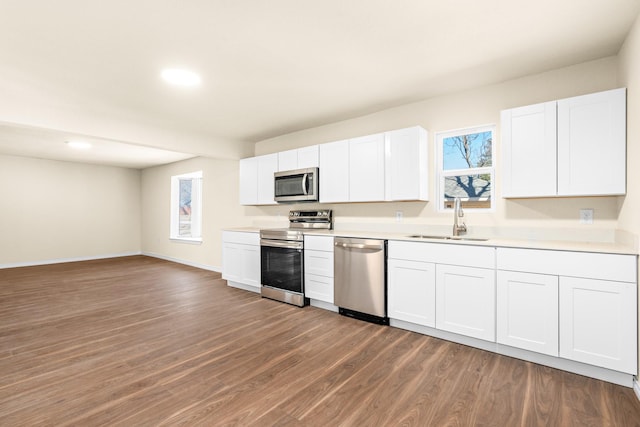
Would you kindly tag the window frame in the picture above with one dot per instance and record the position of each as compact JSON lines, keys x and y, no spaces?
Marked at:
{"x":196,"y":208}
{"x":441,"y":174}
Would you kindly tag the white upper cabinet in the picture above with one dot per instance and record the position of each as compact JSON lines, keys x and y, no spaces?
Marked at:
{"x":334,"y":172}
{"x":256,"y":180}
{"x":366,"y":168}
{"x":406,"y":171}
{"x":287,"y":160}
{"x":388,"y":166}
{"x":571,"y":147}
{"x":592,"y":144}
{"x":300,"y":158}
{"x":529,"y":151}
{"x":308,"y":157}
{"x":267,"y":166}
{"x":249,"y":181}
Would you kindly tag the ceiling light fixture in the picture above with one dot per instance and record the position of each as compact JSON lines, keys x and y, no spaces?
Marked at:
{"x":79,"y":145}
{"x":181,"y":77}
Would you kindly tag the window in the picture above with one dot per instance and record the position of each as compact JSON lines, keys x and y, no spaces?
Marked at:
{"x":465,"y":167}
{"x":186,"y":207}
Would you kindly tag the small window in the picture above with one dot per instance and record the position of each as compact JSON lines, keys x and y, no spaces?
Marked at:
{"x":186,"y":207}
{"x":465,"y":168}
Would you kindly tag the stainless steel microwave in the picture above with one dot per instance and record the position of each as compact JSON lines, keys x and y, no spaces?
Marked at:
{"x":300,"y":185}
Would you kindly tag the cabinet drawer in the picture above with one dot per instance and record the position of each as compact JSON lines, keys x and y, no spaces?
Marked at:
{"x":318,"y":263}
{"x":614,"y":267}
{"x":318,"y":287}
{"x":242,"y":237}
{"x":443,"y":253}
{"x":318,"y":243}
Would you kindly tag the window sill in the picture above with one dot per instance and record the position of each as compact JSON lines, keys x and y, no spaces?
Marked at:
{"x":187,"y":240}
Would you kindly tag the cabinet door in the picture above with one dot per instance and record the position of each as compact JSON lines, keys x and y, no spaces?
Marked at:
{"x":267,"y":166}
{"x":529,"y":151}
{"x":598,"y":323}
{"x":592,"y":144}
{"x":232,"y":262}
{"x":465,"y":301}
{"x":251,"y":265}
{"x":241,"y":263}
{"x":334,"y":172}
{"x":527,"y":311}
{"x":288,"y":160}
{"x":412,"y":291}
{"x":366,"y":168}
{"x":249,"y":181}
{"x":308,"y":157}
{"x":406,"y":164}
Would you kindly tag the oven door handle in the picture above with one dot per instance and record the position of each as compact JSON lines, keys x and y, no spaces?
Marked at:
{"x":281,"y":244}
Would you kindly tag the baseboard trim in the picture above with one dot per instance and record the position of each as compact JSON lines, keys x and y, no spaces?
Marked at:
{"x":63,"y":260}
{"x":636,"y":387}
{"x":603,"y":374}
{"x":243,"y":286}
{"x":182,"y":261}
{"x":323,"y":305}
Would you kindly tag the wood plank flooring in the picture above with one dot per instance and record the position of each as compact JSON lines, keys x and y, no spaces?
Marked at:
{"x":137,"y":341}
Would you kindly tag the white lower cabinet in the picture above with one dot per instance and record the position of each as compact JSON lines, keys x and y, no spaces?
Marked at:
{"x":598,"y":323}
{"x":241,"y":259}
{"x":318,"y":268}
{"x":427,"y":286}
{"x":465,"y":301}
{"x":411,"y":291}
{"x":579,"y":306}
{"x":527,"y":311}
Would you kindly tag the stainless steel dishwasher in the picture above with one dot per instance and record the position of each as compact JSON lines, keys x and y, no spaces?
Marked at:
{"x":360,"y":288}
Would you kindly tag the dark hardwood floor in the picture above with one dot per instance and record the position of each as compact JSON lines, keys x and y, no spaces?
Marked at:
{"x":138,"y":341}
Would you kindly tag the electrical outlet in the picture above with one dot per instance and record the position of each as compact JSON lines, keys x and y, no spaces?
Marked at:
{"x":586,"y":216}
{"x":399,"y":216}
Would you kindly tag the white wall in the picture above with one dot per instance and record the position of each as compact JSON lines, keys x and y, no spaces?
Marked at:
{"x":470,"y":108}
{"x":629,"y":76}
{"x":53,"y":210}
{"x":220,"y":209}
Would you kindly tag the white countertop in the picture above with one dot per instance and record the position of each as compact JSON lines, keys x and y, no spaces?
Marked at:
{"x":599,"y":247}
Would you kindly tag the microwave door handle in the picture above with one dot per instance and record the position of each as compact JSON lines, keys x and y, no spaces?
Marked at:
{"x":304,"y":184}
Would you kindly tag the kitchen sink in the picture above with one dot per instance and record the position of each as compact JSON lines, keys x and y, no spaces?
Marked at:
{"x":424,"y":236}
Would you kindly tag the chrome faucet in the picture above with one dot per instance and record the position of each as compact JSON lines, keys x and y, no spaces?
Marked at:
{"x":458,"y":213}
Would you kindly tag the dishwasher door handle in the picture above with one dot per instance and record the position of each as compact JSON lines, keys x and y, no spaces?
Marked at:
{"x":358,"y":246}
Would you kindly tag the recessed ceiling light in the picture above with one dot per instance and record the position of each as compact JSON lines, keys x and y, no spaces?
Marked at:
{"x":79,"y":145}
{"x":181,"y":77}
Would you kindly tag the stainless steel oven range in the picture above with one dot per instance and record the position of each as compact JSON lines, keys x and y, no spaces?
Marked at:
{"x":282,"y":256}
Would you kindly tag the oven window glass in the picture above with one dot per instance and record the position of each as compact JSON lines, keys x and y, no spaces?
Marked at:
{"x":282,"y":268}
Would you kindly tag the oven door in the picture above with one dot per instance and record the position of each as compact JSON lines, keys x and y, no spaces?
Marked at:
{"x":282,"y":265}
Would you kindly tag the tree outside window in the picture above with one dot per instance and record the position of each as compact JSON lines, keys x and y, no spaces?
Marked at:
{"x":186,"y":207}
{"x":466,"y":167}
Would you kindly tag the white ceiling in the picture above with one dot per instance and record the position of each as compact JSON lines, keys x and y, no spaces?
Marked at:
{"x":51,"y":144}
{"x":271,"y":67}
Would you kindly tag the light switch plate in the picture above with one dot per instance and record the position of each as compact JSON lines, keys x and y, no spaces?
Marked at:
{"x":586,"y":216}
